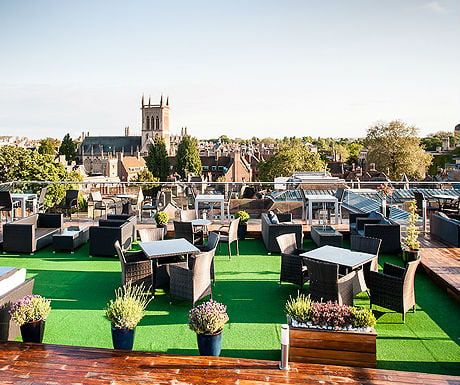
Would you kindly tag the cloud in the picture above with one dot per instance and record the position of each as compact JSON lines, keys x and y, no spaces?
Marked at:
{"x":435,"y":7}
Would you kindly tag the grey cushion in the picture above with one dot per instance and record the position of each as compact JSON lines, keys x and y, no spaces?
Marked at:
{"x":456,"y":221}
{"x":442,"y":215}
{"x":384,"y":222}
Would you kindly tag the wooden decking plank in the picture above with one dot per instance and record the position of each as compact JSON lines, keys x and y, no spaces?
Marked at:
{"x":441,"y":261}
{"x":34,"y":363}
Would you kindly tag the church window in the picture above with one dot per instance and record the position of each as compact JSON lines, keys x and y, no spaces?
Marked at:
{"x":153,"y":123}
{"x":158,"y":123}
{"x":148,"y":123}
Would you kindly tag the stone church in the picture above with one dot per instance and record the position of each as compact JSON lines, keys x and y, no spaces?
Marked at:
{"x":98,"y":154}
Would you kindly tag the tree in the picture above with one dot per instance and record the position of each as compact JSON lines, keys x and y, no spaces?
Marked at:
{"x":188,"y":159}
{"x":48,"y":146}
{"x":18,"y":164}
{"x":157,"y":160}
{"x":432,"y":141}
{"x":395,"y":149}
{"x":68,"y":148}
{"x":293,"y":156}
{"x":146,"y":176}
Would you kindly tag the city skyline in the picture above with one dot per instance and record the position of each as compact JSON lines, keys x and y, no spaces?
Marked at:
{"x":262,"y":69}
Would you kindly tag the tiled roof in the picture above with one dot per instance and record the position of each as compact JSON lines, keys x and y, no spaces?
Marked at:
{"x":111,"y":143}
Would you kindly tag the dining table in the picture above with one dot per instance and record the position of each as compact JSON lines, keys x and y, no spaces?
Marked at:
{"x":445,"y":200}
{"x":157,"y":250}
{"x":350,"y":260}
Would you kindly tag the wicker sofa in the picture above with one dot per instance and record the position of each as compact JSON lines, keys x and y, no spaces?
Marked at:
{"x":270,"y":231}
{"x":26,"y":235}
{"x":102,"y":238}
{"x":445,"y":228}
{"x":13,"y":287}
{"x":374,"y":225}
{"x":125,"y":217}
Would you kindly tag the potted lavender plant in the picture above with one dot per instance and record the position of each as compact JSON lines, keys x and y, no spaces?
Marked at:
{"x":124,"y":313}
{"x":30,"y":314}
{"x":207,"y":321}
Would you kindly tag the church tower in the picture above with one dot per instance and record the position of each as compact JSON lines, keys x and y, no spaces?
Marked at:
{"x":155,"y":122}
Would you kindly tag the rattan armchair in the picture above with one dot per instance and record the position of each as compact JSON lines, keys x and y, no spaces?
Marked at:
{"x":327,"y":285}
{"x":135,"y":268}
{"x":394,"y":288}
{"x":293,"y":269}
{"x":186,"y":230}
{"x":229,"y":236}
{"x":370,"y":246}
{"x":195,"y":283}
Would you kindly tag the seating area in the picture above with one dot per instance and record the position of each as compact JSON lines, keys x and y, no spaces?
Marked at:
{"x":426,"y":342}
{"x":360,"y":265}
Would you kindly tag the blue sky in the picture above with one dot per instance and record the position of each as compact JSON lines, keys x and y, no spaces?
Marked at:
{"x":240,"y":68}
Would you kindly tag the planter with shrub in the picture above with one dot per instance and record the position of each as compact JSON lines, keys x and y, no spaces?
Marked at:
{"x":329,"y":333}
{"x":411,"y":245}
{"x":243,"y":225}
{"x":162,"y":218}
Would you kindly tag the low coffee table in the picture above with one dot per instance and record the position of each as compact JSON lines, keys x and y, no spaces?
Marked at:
{"x":326,"y":235}
{"x":70,"y":238}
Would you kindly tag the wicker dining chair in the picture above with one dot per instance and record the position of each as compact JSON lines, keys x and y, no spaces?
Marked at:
{"x":135,"y":268}
{"x":229,"y":236}
{"x":367,"y":245}
{"x":213,"y":240}
{"x":195,"y":283}
{"x":150,"y":235}
{"x":394,"y":288}
{"x":186,"y":230}
{"x":293,"y":268}
{"x":327,"y":285}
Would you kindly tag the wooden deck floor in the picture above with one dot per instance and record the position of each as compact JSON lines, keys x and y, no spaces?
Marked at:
{"x":56,"y":364}
{"x":441,"y":262}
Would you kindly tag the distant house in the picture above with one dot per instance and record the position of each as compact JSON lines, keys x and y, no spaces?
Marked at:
{"x":130,"y":166}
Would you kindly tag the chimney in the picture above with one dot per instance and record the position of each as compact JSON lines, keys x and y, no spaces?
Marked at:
{"x":87,"y":134}
{"x":372,"y":167}
{"x":353,"y":167}
{"x":82,"y":135}
{"x":120,"y":156}
{"x":127,"y":131}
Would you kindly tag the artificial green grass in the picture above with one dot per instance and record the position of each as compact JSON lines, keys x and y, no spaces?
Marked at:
{"x":248,"y":284}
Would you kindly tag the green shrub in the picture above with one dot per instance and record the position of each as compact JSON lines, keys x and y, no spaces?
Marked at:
{"x":128,"y":308}
{"x":243,"y":215}
{"x":161,"y":217}
{"x":299,"y":308}
{"x":362,"y":317}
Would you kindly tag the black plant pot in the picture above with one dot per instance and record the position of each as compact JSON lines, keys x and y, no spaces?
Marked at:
{"x":33,"y":331}
{"x":123,"y":338}
{"x":210,"y":344}
{"x":409,"y":255}
{"x":242,"y":230}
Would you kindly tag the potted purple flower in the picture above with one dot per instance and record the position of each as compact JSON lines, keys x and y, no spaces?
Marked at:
{"x":30,"y":314}
{"x":207,"y":321}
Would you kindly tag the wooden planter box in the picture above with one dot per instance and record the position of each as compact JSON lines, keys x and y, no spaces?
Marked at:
{"x":320,"y":346}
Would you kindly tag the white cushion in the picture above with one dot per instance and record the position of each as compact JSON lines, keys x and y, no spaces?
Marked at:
{"x":14,"y":280}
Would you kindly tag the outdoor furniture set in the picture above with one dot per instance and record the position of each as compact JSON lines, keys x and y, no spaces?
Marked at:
{"x":338,"y":274}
